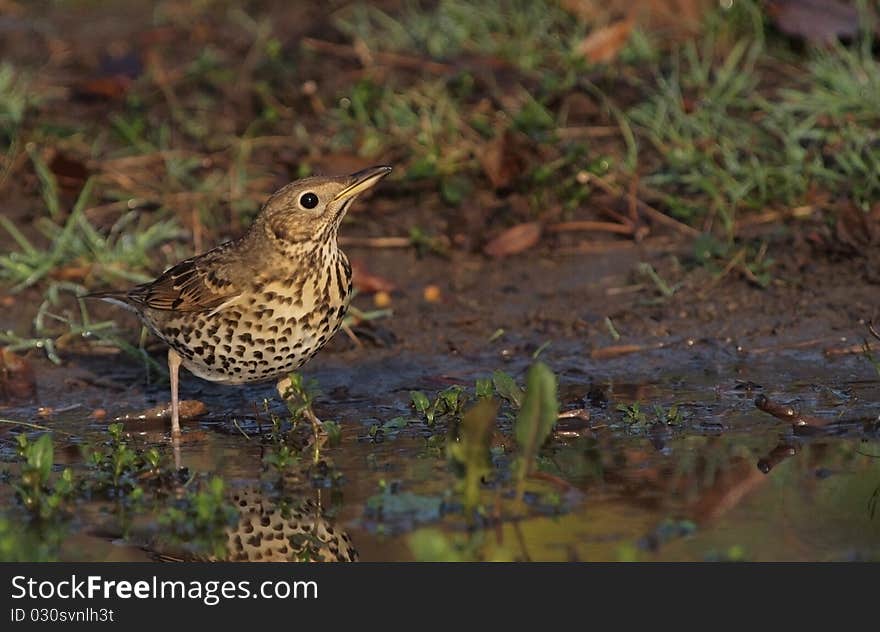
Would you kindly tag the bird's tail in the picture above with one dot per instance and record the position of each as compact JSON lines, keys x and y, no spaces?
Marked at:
{"x":112,"y":296}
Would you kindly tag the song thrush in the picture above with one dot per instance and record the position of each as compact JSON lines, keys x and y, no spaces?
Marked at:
{"x":260,"y":306}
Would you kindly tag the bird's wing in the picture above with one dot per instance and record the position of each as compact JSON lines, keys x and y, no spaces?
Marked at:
{"x":193,"y":285}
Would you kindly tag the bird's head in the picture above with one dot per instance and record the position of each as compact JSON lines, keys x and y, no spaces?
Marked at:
{"x":310,"y":210}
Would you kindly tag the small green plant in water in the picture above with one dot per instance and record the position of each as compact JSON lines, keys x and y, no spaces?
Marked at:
{"x":118,"y":467}
{"x":633,"y":414}
{"x":200,"y":519}
{"x":43,"y":500}
{"x":449,"y":402}
{"x":507,"y":388}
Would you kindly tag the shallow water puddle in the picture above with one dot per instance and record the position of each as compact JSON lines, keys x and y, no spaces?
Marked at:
{"x":717,"y":478}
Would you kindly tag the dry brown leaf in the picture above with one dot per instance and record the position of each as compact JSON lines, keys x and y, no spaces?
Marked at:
{"x":365,"y":282}
{"x":671,"y":18}
{"x":514,"y":240}
{"x":604,"y":44}
{"x":504,"y":159}
{"x":104,"y":88}
{"x":17,"y":380}
{"x":817,"y":21}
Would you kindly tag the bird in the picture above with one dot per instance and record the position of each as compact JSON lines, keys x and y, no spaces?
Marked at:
{"x":260,"y":306}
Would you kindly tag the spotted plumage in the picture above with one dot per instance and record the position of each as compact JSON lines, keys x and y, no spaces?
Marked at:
{"x":269,"y":530}
{"x":260,"y":306}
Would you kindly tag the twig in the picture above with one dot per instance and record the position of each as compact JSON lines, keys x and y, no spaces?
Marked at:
{"x":13,"y":422}
{"x":799,"y":212}
{"x":376,"y":242}
{"x":592,"y":247}
{"x":591,"y":131}
{"x":734,"y":262}
{"x":615,"y":351}
{"x":813,"y":342}
{"x":659,"y":217}
{"x":353,"y":336}
{"x":587,"y":225}
{"x":391,"y":59}
{"x":240,"y":429}
{"x":848,"y":350}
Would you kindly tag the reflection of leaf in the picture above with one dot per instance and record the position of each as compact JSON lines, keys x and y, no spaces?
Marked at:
{"x":472,"y":448}
{"x":536,"y":417}
{"x":507,"y":388}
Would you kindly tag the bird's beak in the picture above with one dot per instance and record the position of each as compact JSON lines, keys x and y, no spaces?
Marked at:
{"x":361,"y":181}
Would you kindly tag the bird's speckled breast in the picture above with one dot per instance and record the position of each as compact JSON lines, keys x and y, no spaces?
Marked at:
{"x":273,"y":328}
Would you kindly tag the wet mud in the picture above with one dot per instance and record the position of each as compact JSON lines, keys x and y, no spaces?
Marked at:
{"x":772,"y":455}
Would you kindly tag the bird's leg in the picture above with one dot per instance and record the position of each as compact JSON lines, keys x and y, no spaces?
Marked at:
{"x":174,"y":372}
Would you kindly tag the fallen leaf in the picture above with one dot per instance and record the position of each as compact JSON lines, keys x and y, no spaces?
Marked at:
{"x":17,"y":380}
{"x":514,"y":240}
{"x":103,"y":88}
{"x":366,"y":282}
{"x":70,"y":172}
{"x":674,"y":19}
{"x":115,"y":76}
{"x":817,"y":21}
{"x":504,"y":158}
{"x":604,"y":44}
{"x":71,"y":273}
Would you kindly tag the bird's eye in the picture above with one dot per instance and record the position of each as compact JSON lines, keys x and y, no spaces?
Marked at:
{"x":308,"y":200}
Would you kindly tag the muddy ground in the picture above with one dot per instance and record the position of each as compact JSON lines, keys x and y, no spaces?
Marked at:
{"x":697,"y":492}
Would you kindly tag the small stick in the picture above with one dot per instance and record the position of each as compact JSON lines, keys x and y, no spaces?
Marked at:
{"x":353,"y":336}
{"x":13,"y":422}
{"x":590,"y":247}
{"x":376,"y":242}
{"x":607,"y":227}
{"x":849,"y":350}
{"x":591,"y":131}
{"x":733,"y":263}
{"x":659,"y":217}
{"x":615,"y":351}
{"x":391,"y":59}
{"x":814,"y":342}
